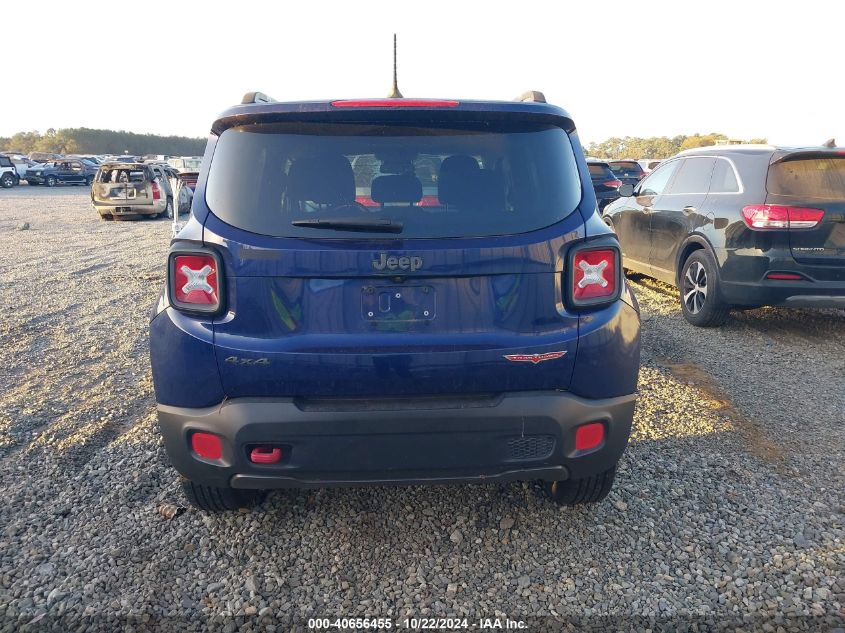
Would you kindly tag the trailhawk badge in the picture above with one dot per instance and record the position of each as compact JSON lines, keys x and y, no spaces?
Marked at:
{"x":533,"y":358}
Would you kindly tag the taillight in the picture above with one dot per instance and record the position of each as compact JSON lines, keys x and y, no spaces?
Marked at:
{"x":156,"y":191}
{"x":594,"y":276}
{"x":614,"y":184}
{"x":776,"y":216}
{"x":195,"y":282}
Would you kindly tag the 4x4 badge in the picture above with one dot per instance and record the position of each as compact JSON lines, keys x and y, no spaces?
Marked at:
{"x":533,"y":358}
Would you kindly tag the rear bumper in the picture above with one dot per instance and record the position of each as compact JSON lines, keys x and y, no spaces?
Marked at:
{"x":770,"y":292}
{"x":128,"y":210}
{"x":516,"y":436}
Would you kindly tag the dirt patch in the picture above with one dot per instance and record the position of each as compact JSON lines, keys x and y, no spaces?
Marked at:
{"x":759,"y":444}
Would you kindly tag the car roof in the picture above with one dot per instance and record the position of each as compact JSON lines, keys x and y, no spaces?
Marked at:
{"x":113,"y":164}
{"x":363,"y":110}
{"x":596,"y":161}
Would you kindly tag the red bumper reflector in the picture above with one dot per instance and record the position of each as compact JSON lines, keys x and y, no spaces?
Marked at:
{"x":395,"y":103}
{"x":589,"y":436}
{"x":207,"y":446}
{"x":265,"y":455}
{"x":785,"y":276}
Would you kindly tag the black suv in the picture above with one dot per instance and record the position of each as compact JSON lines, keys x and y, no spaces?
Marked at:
{"x":739,"y":226}
{"x":605,"y":183}
{"x":630,"y":172}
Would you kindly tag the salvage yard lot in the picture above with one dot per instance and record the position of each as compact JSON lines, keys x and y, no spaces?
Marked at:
{"x":730,"y":500}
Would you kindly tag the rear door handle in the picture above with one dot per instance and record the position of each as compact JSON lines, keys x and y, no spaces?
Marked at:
{"x":689,"y":209}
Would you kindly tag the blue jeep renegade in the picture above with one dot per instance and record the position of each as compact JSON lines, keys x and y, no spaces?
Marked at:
{"x":394,"y":291}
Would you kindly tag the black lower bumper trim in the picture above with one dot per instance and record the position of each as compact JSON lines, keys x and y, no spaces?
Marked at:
{"x":514,"y":436}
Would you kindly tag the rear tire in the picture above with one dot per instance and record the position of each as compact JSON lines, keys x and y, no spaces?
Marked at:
{"x":51,"y":181}
{"x":701,"y":302}
{"x":574,"y":492}
{"x":212,"y":499}
{"x":7,"y":181}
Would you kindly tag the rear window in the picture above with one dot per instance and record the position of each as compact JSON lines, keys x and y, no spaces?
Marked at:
{"x":808,"y":178}
{"x":121,"y":174}
{"x":448,"y":180}
{"x":600,"y":170}
{"x":627,"y":169}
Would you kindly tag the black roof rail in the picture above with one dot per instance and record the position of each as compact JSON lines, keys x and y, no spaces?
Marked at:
{"x":532,"y":95}
{"x":257,"y":97}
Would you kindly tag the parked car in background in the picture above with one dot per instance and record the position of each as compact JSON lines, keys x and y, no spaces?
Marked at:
{"x":649,"y":164}
{"x":22,"y":164}
{"x":43,"y":157}
{"x":739,"y":226}
{"x":130,"y":190}
{"x":304,"y":339}
{"x":630,"y":172}
{"x":8,"y":173}
{"x":605,"y":183}
{"x":61,"y":172}
{"x":185,"y":163}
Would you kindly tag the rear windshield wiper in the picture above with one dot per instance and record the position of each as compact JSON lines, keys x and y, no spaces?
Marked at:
{"x":364,"y":226}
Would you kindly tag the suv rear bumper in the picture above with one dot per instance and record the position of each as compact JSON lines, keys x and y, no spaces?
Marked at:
{"x":516,"y":436}
{"x":796,"y":294}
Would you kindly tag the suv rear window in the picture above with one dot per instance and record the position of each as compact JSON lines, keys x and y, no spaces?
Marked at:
{"x":449,"y":180}
{"x":808,"y":177}
{"x":126,"y":173}
{"x":627,"y":169}
{"x":600,"y":171}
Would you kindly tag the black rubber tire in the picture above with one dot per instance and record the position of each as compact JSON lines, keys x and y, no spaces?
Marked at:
{"x":713,"y":312}
{"x":573,"y":492}
{"x":107,"y":216}
{"x":211,"y":499}
{"x":50,"y":181}
{"x":7,"y":181}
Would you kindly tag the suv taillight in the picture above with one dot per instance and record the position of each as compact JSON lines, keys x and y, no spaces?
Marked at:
{"x":613,"y":184}
{"x":156,"y":191}
{"x":195,"y":282}
{"x":594,"y":276}
{"x":775,"y":216}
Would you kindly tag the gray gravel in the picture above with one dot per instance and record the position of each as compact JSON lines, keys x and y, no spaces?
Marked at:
{"x":729,"y":503}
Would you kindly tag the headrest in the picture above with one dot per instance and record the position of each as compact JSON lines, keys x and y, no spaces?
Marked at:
{"x":326,"y":179}
{"x":455,"y":172}
{"x":396,"y":188}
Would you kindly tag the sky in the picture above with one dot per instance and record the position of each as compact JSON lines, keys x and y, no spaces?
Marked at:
{"x":635,"y":68}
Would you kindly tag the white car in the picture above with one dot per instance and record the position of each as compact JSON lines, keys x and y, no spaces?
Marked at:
{"x":185,"y":163}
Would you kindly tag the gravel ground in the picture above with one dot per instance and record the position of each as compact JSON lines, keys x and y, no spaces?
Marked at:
{"x":729,"y":504}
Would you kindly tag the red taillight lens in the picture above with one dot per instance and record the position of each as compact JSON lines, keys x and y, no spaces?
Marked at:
{"x":207,"y":445}
{"x":195,"y":282}
{"x":395,"y":103}
{"x":775,"y":216}
{"x":589,"y":436}
{"x":595,"y":276}
{"x":156,"y":191}
{"x":614,"y":184}
{"x":784,"y":276}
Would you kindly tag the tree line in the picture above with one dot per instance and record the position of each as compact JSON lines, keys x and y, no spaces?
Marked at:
{"x":85,"y":140}
{"x":657,"y":146}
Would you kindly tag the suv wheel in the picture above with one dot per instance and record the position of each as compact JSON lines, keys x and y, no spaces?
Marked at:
{"x":700,"y":300}
{"x":577,"y":491}
{"x":212,"y":499}
{"x":51,"y":181}
{"x":7,"y":181}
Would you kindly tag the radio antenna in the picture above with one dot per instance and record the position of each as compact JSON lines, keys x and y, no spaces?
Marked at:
{"x":394,"y":93}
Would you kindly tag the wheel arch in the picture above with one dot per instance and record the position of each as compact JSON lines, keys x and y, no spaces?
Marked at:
{"x":692,"y":243}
